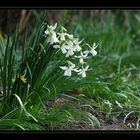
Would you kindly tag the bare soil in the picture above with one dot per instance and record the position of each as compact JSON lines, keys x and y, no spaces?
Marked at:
{"x":104,"y":125}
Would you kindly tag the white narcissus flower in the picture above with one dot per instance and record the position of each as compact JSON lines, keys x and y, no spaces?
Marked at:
{"x":93,"y":52}
{"x":50,"y":29}
{"x":69,"y":69}
{"x":69,"y":43}
{"x":83,"y":71}
{"x":82,"y":57}
{"x":92,"y":49}
{"x":52,"y":38}
{"x":70,"y":36}
{"x":56,"y":46}
{"x":62,"y":48}
{"x":46,"y":32}
{"x":62,"y":36}
{"x":70,"y":51}
{"x":86,"y":52}
{"x":70,"y":48}
{"x":76,"y":44}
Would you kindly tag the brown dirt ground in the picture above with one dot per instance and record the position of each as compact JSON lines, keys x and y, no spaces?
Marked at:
{"x":82,"y":126}
{"x":104,"y":126}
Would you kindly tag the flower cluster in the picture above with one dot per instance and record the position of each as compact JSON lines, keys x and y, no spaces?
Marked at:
{"x":71,"y":48}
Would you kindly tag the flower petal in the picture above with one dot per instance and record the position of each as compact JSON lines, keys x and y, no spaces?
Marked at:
{"x":67,"y":72}
{"x":93,"y":52}
{"x":56,"y":46}
{"x":63,"y":67}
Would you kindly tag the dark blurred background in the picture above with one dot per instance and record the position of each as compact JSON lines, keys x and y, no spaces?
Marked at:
{"x":9,"y":18}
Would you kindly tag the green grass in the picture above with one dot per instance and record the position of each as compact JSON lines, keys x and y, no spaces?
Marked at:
{"x":115,"y":68}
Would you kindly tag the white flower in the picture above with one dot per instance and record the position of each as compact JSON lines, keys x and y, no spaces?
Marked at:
{"x":93,"y":52}
{"x":62,"y":36}
{"x":66,"y":48}
{"x":56,"y":46}
{"x":70,"y":36}
{"x":82,"y":57}
{"x":70,"y":48}
{"x":50,"y":29}
{"x":52,"y":38}
{"x":86,"y":52}
{"x":83,"y":71}
{"x":62,"y":48}
{"x":76,"y":44}
{"x":92,"y":49}
{"x":69,"y":69}
{"x":70,"y":52}
{"x":69,"y":43}
{"x":77,"y":48}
